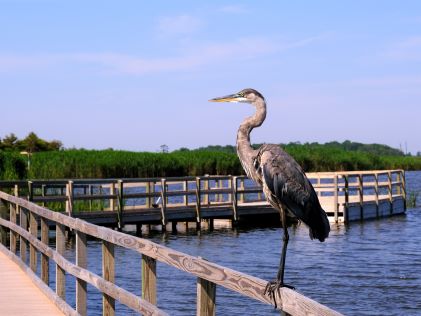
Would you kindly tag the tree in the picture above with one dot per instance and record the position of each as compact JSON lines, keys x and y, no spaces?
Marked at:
{"x":9,"y":142}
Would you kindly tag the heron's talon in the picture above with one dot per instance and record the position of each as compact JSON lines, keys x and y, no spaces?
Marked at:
{"x":273,"y":287}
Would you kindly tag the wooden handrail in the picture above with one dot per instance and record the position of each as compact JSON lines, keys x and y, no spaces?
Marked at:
{"x":290,"y":301}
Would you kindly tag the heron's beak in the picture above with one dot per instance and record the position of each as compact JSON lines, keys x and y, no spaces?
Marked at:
{"x":228,"y":98}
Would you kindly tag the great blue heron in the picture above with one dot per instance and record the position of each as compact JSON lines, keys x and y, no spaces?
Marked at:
{"x":284,"y":182}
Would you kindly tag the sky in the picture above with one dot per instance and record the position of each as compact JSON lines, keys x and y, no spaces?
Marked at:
{"x":134,"y":75}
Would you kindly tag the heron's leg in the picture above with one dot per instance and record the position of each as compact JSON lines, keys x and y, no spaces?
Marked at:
{"x":285,"y":239}
{"x":274,"y":286}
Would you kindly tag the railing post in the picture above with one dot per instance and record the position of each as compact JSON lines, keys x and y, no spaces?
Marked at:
{"x":335,"y":197}
{"x":3,"y":231}
{"x":346,"y":198}
{"x":23,"y":219}
{"x":69,"y":195}
{"x":185,"y":189}
{"x":81,"y":262}
{"x":112,"y":192}
{"x":163,"y":201}
{"x":149,"y":279}
{"x":13,"y":235}
{"x":198,"y":199}
{"x":108,"y":273}
{"x":60,"y":273}
{"x":33,"y":228}
{"x":390,"y":189}
{"x":403,"y":185}
{"x":242,"y":188}
{"x":30,"y":191}
{"x":44,"y":258}
{"x":91,"y":192}
{"x":376,"y":193}
{"x":361,"y":195}
{"x":43,"y":193}
{"x":206,"y":295}
{"x":206,"y":187}
{"x":148,"y":201}
{"x":234,"y":198}
{"x":120,"y":205}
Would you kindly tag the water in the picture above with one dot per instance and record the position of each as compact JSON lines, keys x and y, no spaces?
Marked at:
{"x":370,"y":268}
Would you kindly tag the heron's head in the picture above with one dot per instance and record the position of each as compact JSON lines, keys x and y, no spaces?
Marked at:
{"x":246,"y":96}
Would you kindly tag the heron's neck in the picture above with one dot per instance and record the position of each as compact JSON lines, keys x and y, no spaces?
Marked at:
{"x":244,"y":149}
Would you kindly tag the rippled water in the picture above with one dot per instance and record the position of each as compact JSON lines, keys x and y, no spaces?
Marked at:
{"x":370,"y":268}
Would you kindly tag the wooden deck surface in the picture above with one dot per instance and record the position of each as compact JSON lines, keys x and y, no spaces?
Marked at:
{"x":18,"y":295}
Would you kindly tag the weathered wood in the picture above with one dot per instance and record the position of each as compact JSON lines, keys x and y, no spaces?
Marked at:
{"x":69,"y":196}
{"x":45,"y":267}
{"x":36,"y":298}
{"x":60,"y":273}
{"x":149,"y":279}
{"x":335,"y":198}
{"x":120,"y":204}
{"x":108,"y":302}
{"x":376,"y":193}
{"x":23,"y":220}
{"x":125,"y":297}
{"x":33,"y":228}
{"x":13,"y":235}
{"x":163,"y":201}
{"x":234,"y":198}
{"x":81,"y":286}
{"x":112,"y":200}
{"x":206,"y":298}
{"x":198,"y":199}
{"x":30,"y":191}
{"x":290,"y":301}
{"x":390,"y":190}
{"x":186,"y":197}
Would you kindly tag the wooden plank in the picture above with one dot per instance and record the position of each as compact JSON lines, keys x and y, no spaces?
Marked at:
{"x":23,"y":293}
{"x":149,"y":279}
{"x":33,"y":228}
{"x":108,"y":273}
{"x":81,"y":261}
{"x":206,"y":297}
{"x":134,"y":302}
{"x":45,"y":267}
{"x":60,"y":273}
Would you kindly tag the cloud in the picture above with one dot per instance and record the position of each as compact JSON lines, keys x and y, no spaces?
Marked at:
{"x":180,"y":24}
{"x":199,"y":55}
{"x":234,"y":9}
{"x":408,"y":49}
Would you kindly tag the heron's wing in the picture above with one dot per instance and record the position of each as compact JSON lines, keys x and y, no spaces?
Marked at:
{"x":288,"y":184}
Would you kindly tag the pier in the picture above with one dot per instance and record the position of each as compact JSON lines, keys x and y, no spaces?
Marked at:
{"x":27,"y":225}
{"x":345,"y":196}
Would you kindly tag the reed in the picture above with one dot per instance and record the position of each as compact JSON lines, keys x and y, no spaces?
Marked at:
{"x":124,"y":164}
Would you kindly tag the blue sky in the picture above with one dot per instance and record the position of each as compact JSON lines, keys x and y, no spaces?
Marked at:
{"x":135,"y":75}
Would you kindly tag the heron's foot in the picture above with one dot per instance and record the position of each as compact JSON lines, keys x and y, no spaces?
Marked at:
{"x":274,"y":286}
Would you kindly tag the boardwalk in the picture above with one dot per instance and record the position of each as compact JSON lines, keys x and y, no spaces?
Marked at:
{"x":18,"y":295}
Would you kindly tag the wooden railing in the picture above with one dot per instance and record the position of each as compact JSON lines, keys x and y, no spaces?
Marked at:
{"x":358,"y":187}
{"x":120,"y":195}
{"x":208,"y":274}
